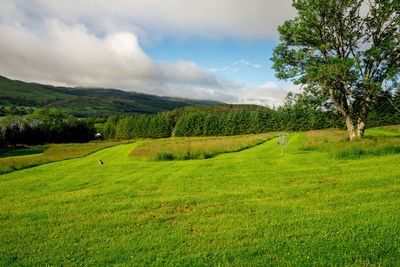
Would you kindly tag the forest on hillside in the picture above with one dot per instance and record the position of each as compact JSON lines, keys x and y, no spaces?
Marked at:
{"x":299,"y":113}
{"x":21,"y":98}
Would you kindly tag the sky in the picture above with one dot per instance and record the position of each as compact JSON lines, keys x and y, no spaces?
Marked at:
{"x":208,"y":49}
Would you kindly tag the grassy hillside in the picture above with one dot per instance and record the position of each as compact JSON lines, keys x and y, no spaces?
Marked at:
{"x":27,"y":94}
{"x":85,"y":102}
{"x":253,"y":207}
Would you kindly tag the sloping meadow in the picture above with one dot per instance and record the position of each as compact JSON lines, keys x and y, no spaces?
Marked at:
{"x":377,"y":142}
{"x":196,"y":147}
{"x":252,"y":208}
{"x":29,"y":157}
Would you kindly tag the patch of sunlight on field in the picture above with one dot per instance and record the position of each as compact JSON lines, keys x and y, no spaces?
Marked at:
{"x":24,"y":158}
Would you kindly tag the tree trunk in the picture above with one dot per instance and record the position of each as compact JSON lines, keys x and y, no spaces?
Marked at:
{"x":350,"y":128}
{"x":362,"y":119}
{"x":361,"y":128}
{"x":343,"y":107}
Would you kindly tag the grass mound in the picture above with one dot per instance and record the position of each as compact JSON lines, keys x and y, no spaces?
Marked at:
{"x":377,"y":142}
{"x":196,"y":147}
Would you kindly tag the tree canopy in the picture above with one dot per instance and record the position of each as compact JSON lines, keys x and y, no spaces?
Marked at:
{"x":342,"y":51}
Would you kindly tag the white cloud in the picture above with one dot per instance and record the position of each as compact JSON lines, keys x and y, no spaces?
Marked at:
{"x":223,"y":69}
{"x":214,"y":69}
{"x":269,"y":94}
{"x":236,"y":66}
{"x":241,"y":62}
{"x":72,"y":56}
{"x":150,"y":19}
{"x":96,"y":44}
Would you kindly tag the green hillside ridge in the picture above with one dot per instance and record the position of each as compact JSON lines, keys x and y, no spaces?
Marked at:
{"x":20,"y":93}
{"x":84,"y":102}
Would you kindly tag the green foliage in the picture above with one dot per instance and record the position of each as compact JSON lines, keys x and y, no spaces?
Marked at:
{"x":164,"y":156}
{"x":295,"y":115}
{"x":304,"y":112}
{"x":44,"y":126}
{"x":15,"y":110}
{"x":299,"y":113}
{"x":108,"y":129}
{"x":225,"y":120}
{"x":158,"y":127}
{"x":138,"y":126}
{"x":385,"y":110}
{"x":344,"y":51}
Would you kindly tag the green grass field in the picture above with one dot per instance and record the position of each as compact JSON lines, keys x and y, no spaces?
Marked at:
{"x":253,"y":207}
{"x":22,"y":158}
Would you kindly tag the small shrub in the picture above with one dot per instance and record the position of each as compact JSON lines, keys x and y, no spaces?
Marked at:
{"x":164,"y":156}
{"x":207,"y":155}
{"x":352,"y":153}
{"x":356,"y":153}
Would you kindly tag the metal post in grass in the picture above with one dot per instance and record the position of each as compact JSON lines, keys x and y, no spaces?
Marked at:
{"x":283,"y":140}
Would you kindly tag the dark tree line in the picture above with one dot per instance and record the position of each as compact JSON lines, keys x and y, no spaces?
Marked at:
{"x":385,"y":110}
{"x":242,"y":121}
{"x":15,"y":110}
{"x":300,"y":112}
{"x":45,"y":126}
{"x":291,"y":117}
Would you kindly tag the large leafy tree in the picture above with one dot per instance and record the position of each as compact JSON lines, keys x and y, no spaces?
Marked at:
{"x":342,"y":51}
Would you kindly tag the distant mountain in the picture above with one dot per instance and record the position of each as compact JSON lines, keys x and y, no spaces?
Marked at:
{"x":85,"y":102}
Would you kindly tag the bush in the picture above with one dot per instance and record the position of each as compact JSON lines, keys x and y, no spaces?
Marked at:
{"x":164,"y":156}
{"x":45,"y":126}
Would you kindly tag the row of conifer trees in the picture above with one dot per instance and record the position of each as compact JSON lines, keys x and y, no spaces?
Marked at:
{"x":214,"y":121}
{"x":297,"y":114}
{"x":52,"y":126}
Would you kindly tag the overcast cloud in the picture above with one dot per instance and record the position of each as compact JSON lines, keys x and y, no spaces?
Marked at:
{"x":96,"y":43}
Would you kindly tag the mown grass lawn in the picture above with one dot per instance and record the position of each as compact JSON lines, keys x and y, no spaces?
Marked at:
{"x":253,"y":207}
{"x":22,"y":158}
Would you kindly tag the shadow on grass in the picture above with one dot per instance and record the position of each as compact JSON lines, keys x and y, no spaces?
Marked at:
{"x":22,"y":152}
